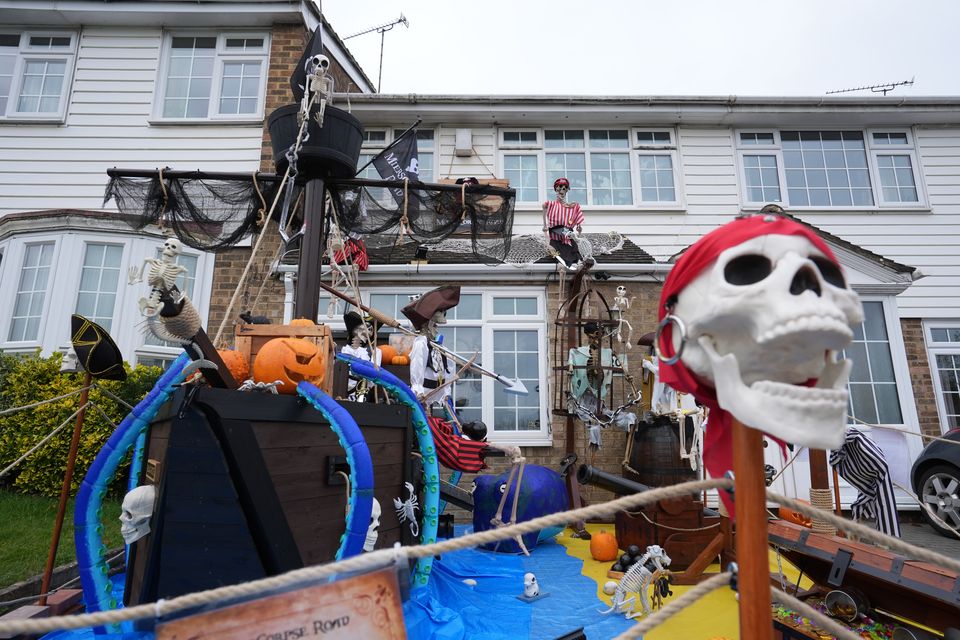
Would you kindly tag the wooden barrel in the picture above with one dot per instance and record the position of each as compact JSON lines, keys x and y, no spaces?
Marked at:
{"x":654,"y":457}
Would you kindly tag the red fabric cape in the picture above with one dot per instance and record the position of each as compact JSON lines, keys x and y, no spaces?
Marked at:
{"x":717,"y":444}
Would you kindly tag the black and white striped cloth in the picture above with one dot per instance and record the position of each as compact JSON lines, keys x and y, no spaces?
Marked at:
{"x":861,"y":462}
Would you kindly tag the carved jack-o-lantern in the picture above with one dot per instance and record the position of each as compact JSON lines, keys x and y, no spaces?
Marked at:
{"x":289,"y":360}
{"x":236,"y":363}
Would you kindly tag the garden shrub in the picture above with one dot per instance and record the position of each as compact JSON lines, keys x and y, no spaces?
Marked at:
{"x":30,"y":379}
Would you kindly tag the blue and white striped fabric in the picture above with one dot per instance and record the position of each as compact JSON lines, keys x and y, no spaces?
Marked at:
{"x":861,"y":462}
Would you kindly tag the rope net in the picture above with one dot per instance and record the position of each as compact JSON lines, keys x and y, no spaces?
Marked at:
{"x":527,"y":249}
{"x":391,"y":213}
{"x":207,"y":213}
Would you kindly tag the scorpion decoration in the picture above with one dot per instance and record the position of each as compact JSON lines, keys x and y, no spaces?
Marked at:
{"x":407,"y":511}
{"x":650,"y":569}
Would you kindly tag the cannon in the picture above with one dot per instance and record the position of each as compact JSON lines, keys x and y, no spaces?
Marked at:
{"x":619,"y":485}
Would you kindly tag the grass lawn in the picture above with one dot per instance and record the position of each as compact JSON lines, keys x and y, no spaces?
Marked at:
{"x":26,"y":527}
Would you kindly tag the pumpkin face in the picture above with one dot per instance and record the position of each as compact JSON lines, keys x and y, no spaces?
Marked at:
{"x":236,"y":363}
{"x":387,"y":353}
{"x":290,"y":360}
{"x":603,"y":547}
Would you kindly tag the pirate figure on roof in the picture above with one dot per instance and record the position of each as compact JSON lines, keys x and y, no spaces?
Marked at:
{"x":561,"y":220}
{"x":432,"y":375}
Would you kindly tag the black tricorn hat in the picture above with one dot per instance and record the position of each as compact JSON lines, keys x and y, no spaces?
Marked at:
{"x":646,"y":340}
{"x":96,"y":350}
{"x":440,"y":299}
{"x":352,"y":320}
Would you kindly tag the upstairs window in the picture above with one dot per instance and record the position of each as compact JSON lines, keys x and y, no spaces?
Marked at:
{"x":213,"y":76}
{"x":829,"y":169}
{"x":35,"y":73}
{"x":656,"y":159}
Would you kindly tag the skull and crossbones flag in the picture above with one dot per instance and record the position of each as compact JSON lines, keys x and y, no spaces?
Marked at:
{"x":298,"y":79}
{"x":717,"y":446}
{"x":400,"y":161}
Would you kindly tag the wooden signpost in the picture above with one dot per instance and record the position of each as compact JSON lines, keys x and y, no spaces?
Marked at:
{"x":366,"y":606}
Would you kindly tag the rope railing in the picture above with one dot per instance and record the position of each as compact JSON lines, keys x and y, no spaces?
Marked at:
{"x":13,"y":465}
{"x":384,"y":557}
{"x":7,"y":412}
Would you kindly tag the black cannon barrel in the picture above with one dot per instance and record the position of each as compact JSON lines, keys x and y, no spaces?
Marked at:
{"x":587,"y":474}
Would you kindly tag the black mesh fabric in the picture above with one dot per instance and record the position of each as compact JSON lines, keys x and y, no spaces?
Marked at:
{"x":391,"y":213}
{"x":206,"y":211}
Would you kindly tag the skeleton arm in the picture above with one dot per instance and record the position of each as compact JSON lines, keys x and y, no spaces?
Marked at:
{"x":135,"y":275}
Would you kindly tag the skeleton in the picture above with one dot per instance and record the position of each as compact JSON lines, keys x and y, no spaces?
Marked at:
{"x":160,"y":274}
{"x":372,"y":533}
{"x":262,"y":387}
{"x":641,"y":575}
{"x":407,"y":511}
{"x":319,"y":87}
{"x":137,"y":508}
{"x":620,"y":304}
{"x":531,"y":588}
{"x":769,"y":317}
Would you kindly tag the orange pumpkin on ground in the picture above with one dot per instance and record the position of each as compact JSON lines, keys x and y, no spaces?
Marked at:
{"x":603,"y":547}
{"x":302,"y":322}
{"x":387,"y":353}
{"x":236,"y":362}
{"x":290,"y":360}
{"x":400,"y":360}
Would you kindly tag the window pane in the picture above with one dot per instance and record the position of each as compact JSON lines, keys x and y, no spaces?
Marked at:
{"x":521,"y":171}
{"x":518,"y":352}
{"x":864,"y":406}
{"x":99,"y":277}
{"x":896,"y":178}
{"x":830,"y":162}
{"x":571,"y":166}
{"x":31,"y":291}
{"x":876,"y":328}
{"x":760,"y":174}
{"x":470,"y":307}
{"x":42,"y":86}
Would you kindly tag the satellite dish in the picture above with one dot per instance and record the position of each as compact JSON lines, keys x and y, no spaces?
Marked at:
{"x":97,"y":352}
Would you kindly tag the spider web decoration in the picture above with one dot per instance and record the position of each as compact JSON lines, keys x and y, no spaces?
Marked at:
{"x":391,"y":213}
{"x":205,"y":212}
{"x":527,"y":249}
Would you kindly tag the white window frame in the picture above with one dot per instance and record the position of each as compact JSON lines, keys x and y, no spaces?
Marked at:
{"x":26,"y":52}
{"x":121,"y":279}
{"x":933,"y":350}
{"x":487,"y":324}
{"x":48,"y":293}
{"x":392,"y":133}
{"x":871,"y":149}
{"x":669,"y":148}
{"x":221,"y":55}
{"x":909,"y":150}
{"x":537,"y":144}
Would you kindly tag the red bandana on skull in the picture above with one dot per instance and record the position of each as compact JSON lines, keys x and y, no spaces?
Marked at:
{"x":718,"y":448}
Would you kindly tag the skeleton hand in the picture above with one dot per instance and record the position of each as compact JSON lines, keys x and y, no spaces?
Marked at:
{"x":134,"y":276}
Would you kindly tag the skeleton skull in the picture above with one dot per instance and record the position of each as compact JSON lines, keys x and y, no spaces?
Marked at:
{"x":171,"y":248}
{"x":764,"y":325}
{"x":137,"y":508}
{"x":531,"y":588}
{"x":621,"y":291}
{"x":372,"y":532}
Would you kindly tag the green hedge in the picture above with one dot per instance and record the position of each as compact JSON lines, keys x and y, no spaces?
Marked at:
{"x":26,"y":380}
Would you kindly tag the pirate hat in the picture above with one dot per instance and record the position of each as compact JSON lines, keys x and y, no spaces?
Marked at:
{"x":440,"y":299}
{"x":352,"y":320}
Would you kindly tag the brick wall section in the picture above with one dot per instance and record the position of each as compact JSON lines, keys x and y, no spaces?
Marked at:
{"x":923,"y":392}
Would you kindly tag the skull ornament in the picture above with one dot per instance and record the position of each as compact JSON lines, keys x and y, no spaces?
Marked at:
{"x":531,"y":588}
{"x":764,"y":325}
{"x":171,"y":248}
{"x":136,"y":510}
{"x":372,"y":530}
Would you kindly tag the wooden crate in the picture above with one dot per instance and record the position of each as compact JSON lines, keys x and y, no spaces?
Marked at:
{"x":250,"y":338}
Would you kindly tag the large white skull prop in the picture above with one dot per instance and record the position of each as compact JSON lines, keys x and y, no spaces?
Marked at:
{"x":137,"y":508}
{"x":171,"y":248}
{"x":372,"y":533}
{"x":767,"y":318}
{"x":531,"y":588}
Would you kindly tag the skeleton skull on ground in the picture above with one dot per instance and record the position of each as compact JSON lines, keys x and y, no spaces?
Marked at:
{"x":137,"y":508}
{"x":764,"y":326}
{"x":531,"y":588}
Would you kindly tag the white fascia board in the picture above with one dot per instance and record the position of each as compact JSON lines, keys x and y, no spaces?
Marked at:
{"x":151,"y":13}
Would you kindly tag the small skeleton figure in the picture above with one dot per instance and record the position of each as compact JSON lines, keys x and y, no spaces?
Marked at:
{"x":562,"y":221}
{"x":160,"y":274}
{"x":137,"y":508}
{"x":372,"y":533}
{"x":319,"y":87}
{"x":359,"y":347}
{"x":429,"y":366}
{"x":620,"y":304}
{"x":644,"y":573}
{"x":407,"y":510}
{"x":531,"y":588}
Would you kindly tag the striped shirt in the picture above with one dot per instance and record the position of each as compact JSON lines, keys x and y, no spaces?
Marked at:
{"x":560,"y":214}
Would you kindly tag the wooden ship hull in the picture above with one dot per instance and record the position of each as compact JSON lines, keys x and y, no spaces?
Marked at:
{"x":918,"y":591}
{"x":248,"y":486}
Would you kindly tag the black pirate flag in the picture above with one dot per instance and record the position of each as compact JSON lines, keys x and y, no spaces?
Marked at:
{"x":298,"y":79}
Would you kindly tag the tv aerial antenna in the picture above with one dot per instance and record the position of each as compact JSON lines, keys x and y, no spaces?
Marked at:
{"x":877,"y":88}
{"x":382,"y":30}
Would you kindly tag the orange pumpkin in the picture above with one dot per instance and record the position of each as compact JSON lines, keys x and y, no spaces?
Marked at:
{"x":795,"y":517}
{"x":400,"y":360}
{"x":302,"y":322}
{"x":603,"y":547}
{"x":289,"y":360}
{"x":387,"y":353}
{"x":236,"y":362}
